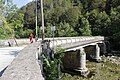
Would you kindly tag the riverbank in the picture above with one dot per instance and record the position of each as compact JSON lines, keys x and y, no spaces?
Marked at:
{"x":107,"y":69}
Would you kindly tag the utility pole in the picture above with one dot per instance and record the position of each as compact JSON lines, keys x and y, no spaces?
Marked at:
{"x":36,"y":36}
{"x":42,"y":28}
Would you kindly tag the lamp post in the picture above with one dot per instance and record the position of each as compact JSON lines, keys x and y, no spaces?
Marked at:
{"x":36,"y":36}
{"x":42,"y":28}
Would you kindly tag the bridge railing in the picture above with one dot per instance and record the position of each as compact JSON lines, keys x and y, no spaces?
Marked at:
{"x":71,"y":40}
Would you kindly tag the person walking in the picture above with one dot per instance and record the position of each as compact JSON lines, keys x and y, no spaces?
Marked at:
{"x":31,"y":37}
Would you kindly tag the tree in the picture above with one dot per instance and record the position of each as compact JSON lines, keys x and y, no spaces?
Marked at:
{"x":10,"y":9}
{"x":65,"y":30}
{"x":71,"y":18}
{"x":115,"y":3}
{"x":100,"y":23}
{"x":5,"y":29}
{"x":17,"y":26}
{"x":108,"y":6}
{"x":85,"y":27}
{"x":115,"y":28}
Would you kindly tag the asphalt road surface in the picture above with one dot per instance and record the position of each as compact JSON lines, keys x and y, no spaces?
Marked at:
{"x":7,"y":55}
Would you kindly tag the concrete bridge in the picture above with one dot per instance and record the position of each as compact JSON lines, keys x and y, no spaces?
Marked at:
{"x":26,"y":65}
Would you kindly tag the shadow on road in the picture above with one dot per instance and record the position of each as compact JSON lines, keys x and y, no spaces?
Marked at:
{"x":3,"y":71}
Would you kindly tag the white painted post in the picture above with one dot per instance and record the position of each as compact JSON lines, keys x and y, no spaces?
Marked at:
{"x":97,"y":55}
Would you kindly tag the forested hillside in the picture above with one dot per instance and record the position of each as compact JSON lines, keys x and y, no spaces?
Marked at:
{"x":78,"y":18}
{"x":71,"y":18}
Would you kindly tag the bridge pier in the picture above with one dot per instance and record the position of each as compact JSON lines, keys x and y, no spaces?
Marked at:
{"x":104,"y":48}
{"x":97,"y":53}
{"x":82,"y":68}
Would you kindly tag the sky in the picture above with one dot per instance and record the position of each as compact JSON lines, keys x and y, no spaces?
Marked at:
{"x":21,"y":3}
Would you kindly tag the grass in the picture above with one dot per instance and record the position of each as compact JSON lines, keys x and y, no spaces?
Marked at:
{"x":98,"y":71}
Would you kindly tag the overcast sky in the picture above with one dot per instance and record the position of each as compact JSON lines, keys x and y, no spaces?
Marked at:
{"x":21,"y":3}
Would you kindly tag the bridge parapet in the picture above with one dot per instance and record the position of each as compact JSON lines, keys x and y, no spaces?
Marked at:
{"x":72,"y":40}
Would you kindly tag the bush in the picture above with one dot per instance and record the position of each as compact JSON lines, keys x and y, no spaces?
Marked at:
{"x":51,"y":68}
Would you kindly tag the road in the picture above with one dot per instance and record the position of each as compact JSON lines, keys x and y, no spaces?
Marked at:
{"x":7,"y":55}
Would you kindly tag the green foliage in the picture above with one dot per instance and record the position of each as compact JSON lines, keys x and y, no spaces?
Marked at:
{"x":2,"y":8}
{"x":23,"y":33}
{"x":115,"y":28}
{"x":10,"y":9}
{"x":85,"y":27}
{"x":115,"y":21}
{"x":7,"y":10}
{"x":48,"y":30}
{"x":5,"y":29}
{"x":71,"y":18}
{"x":65,"y":30}
{"x":51,"y":67}
{"x":115,"y":3}
{"x":100,"y":22}
{"x":17,"y":25}
{"x":59,"y":53}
